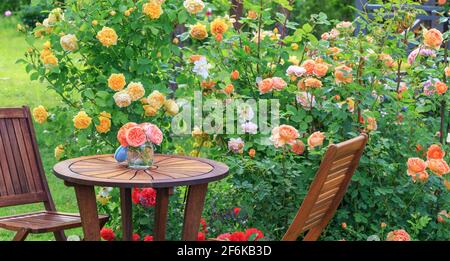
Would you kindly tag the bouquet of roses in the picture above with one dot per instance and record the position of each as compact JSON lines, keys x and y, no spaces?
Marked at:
{"x":136,"y":143}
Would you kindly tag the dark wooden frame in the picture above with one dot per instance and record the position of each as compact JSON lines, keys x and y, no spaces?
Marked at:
{"x":19,"y":157}
{"x":327,"y":190}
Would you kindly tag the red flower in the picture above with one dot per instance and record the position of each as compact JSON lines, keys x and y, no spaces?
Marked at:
{"x":236,"y":211}
{"x":136,"y":195}
{"x":107,"y":234}
{"x":238,"y":236}
{"x":148,"y":238}
{"x":201,"y":236}
{"x":148,"y":197}
{"x":136,"y":237}
{"x":249,"y":232}
{"x":203,"y":224}
{"x":225,"y":236}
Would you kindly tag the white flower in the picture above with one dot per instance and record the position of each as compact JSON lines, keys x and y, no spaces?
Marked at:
{"x":250,"y":127}
{"x":73,"y":238}
{"x":295,"y":70}
{"x":245,"y":113}
{"x":201,"y":67}
{"x":122,"y":99}
{"x":104,"y":192}
{"x":194,"y":6}
{"x":69,"y":42}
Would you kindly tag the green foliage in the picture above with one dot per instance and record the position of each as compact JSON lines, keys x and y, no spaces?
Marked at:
{"x":270,"y":186}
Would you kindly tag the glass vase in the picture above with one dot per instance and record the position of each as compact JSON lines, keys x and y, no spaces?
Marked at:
{"x":140,"y":157}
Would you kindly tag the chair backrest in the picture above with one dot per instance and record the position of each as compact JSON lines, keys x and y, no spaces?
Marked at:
{"x":328,"y":188}
{"x":22,"y":177}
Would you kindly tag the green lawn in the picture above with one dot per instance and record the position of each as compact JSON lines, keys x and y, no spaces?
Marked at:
{"x":16,"y":89}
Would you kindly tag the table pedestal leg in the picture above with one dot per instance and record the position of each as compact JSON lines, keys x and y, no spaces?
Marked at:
{"x":88,"y":212}
{"x":193,"y":211}
{"x":127,"y":213}
{"x":162,"y":204}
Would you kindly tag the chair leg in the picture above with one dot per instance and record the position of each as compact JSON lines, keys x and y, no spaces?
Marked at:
{"x":60,"y":235}
{"x":21,"y":234}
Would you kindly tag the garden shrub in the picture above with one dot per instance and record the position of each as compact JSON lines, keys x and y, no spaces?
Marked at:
{"x":329,"y":88}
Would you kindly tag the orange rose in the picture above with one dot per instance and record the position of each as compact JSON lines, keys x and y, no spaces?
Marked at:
{"x":435,"y":152}
{"x":441,"y":87}
{"x":432,"y":38}
{"x":284,"y":134}
{"x":121,"y":134}
{"x":195,"y":58}
{"x":447,"y":184}
{"x":442,"y":2}
{"x":398,"y":235}
{"x":313,"y":83}
{"x":438,"y":166}
{"x":422,"y":176}
{"x":416,"y":165}
{"x":387,"y":59}
{"x":235,"y":75}
{"x":252,"y":153}
{"x":343,"y":74}
{"x":208,"y":84}
{"x":316,"y":139}
{"x":298,"y":147}
{"x":229,"y":88}
{"x":309,"y":66}
{"x":265,"y":85}
{"x":320,"y":70}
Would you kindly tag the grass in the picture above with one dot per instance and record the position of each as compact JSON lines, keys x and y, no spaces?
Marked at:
{"x":16,"y":89}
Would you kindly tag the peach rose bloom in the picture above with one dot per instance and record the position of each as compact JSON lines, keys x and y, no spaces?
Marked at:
{"x":416,"y":165}
{"x":278,"y":83}
{"x":195,"y":58}
{"x":121,"y":133}
{"x":432,"y":38}
{"x":116,"y":81}
{"x":313,"y":83}
{"x":447,"y":71}
{"x":398,"y":235}
{"x":441,"y":87}
{"x":371,"y":124}
{"x":441,"y":215}
{"x":283,"y":134}
{"x":442,"y":2}
{"x":435,"y":152}
{"x":320,"y":70}
{"x":343,"y":74}
{"x":229,"y":89}
{"x":316,"y":139}
{"x":438,"y":166}
{"x":387,"y":59}
{"x":309,"y":66}
{"x":265,"y":85}
{"x":298,"y":147}
{"x":252,"y":153}
{"x":235,"y":75}
{"x":135,"y":136}
{"x":421,"y":176}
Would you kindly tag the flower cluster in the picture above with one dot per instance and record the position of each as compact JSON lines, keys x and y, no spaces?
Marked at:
{"x":145,"y":197}
{"x":135,"y":135}
{"x":435,"y":162}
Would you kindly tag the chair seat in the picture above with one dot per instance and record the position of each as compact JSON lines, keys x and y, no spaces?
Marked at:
{"x":44,"y":221}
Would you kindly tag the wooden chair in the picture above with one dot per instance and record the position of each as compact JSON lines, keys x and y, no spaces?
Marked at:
{"x":327,"y":190}
{"x":23,"y":181}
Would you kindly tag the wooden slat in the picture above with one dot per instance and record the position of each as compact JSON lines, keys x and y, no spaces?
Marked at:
{"x":17,"y":157}
{"x":9,"y":113}
{"x":10,"y":158}
{"x":12,"y":200}
{"x":31,"y":156}
{"x":24,"y":156}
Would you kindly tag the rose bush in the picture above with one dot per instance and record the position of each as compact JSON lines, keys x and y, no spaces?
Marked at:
{"x":114,"y":62}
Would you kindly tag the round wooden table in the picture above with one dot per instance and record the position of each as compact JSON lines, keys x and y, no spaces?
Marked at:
{"x":167,"y":172}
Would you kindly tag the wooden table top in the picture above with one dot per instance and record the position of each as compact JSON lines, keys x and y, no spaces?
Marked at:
{"x":167,"y":171}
